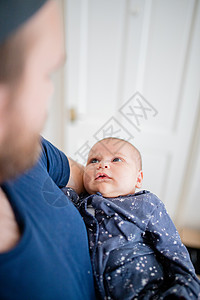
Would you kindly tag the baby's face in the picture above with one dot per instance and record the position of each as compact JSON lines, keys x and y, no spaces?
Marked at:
{"x":112,"y":169}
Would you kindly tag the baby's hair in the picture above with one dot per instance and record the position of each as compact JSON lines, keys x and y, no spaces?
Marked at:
{"x":137,"y":153}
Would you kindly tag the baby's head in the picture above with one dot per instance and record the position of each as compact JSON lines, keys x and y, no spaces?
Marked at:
{"x":114,"y":168}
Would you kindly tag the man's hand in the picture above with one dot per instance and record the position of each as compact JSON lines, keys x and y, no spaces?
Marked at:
{"x":76,"y":176}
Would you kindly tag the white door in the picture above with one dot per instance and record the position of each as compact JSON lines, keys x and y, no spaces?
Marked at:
{"x":133,"y":70}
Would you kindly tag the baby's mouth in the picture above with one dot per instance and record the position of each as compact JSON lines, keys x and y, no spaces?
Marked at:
{"x":100,"y":176}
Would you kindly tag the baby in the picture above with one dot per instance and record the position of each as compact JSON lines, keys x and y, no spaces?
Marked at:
{"x":135,"y":249}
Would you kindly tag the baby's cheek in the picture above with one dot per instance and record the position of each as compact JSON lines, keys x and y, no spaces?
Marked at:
{"x":87,"y":177}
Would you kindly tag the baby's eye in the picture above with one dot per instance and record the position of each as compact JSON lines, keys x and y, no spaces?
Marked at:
{"x":117,"y":159}
{"x":94,"y":161}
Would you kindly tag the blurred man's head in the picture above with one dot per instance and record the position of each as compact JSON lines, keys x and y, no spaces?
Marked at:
{"x":28,"y":57}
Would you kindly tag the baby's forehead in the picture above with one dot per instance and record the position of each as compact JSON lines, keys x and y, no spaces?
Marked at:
{"x":112,"y":147}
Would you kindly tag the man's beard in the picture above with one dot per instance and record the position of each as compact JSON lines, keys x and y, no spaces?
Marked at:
{"x":18,"y":153}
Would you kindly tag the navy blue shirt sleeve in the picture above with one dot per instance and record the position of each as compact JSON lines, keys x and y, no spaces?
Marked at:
{"x":56,"y":163}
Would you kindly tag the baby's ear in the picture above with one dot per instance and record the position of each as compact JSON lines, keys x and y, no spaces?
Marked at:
{"x":139,"y":179}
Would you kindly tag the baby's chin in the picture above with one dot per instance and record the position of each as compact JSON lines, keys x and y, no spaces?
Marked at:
{"x":114,"y":195}
{"x":110,"y":194}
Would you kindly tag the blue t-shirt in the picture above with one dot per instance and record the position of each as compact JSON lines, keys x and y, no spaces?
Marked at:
{"x":51,"y":260}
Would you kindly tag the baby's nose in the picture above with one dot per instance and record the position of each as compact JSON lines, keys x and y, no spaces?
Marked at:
{"x":104,"y":164}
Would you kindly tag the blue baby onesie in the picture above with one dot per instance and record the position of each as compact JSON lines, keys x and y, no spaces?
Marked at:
{"x":135,"y":249}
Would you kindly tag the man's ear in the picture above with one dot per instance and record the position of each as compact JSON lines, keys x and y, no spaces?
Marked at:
{"x":139,"y":179}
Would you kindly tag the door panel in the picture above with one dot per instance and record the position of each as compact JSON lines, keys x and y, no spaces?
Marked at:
{"x":133,"y":71}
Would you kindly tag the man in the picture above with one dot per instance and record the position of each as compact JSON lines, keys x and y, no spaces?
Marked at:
{"x":43,"y":242}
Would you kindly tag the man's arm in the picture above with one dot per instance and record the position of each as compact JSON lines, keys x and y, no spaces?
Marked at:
{"x":76,"y":176}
